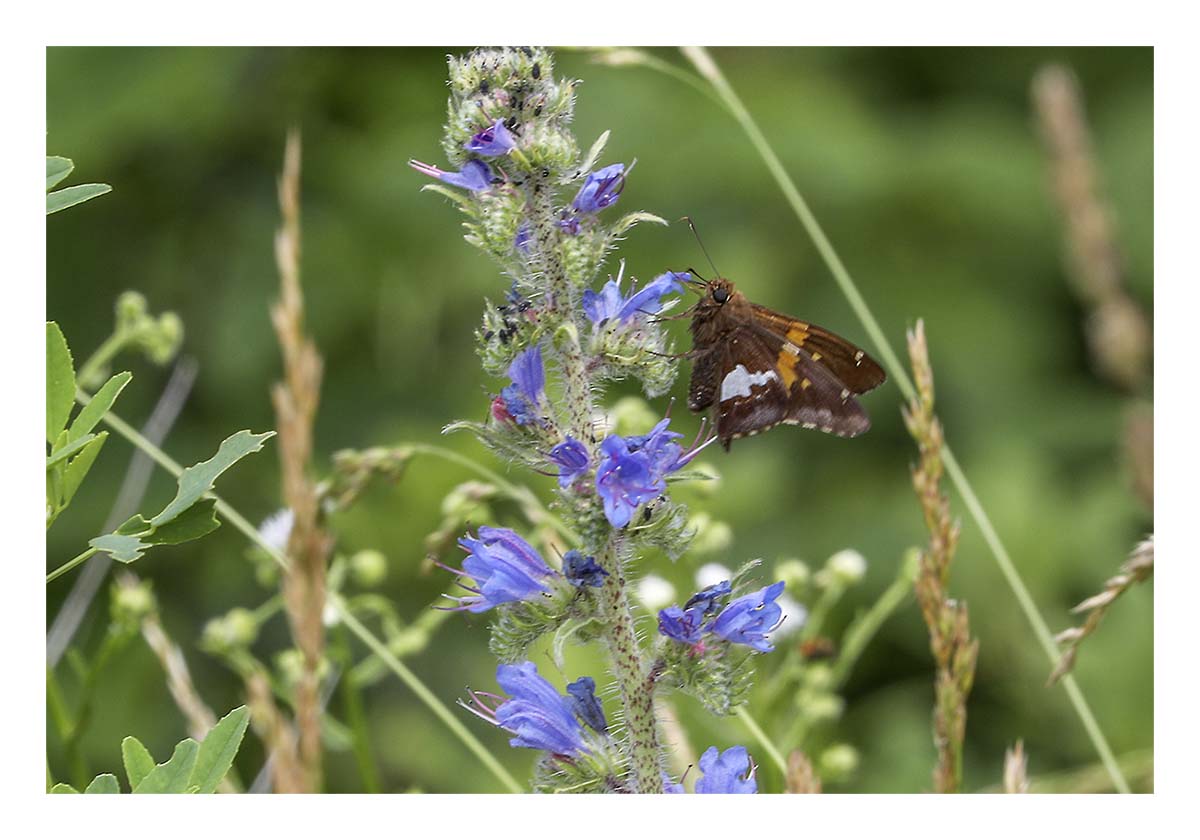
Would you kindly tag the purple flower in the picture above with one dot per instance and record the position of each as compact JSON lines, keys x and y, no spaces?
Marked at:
{"x":660,"y":449}
{"x":608,"y":303}
{"x":672,"y":787}
{"x":524,"y":396}
{"x":600,"y":189}
{"x":569,"y":224}
{"x":474,"y":176}
{"x":624,"y":479}
{"x":540,"y":717}
{"x":585,"y":704}
{"x":707,"y":601}
{"x":494,"y":140}
{"x":634,"y":469}
{"x":582,"y":571}
{"x":571,"y":456}
{"x":748,"y":620}
{"x":727,"y":772}
{"x":504,"y":568}
{"x":682,"y":625}
{"x":523,"y":241}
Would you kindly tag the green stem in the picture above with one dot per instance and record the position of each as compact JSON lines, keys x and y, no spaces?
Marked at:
{"x":70,"y":564}
{"x":425,"y":695}
{"x":635,"y":683}
{"x":859,"y":634}
{"x":408,"y":677}
{"x":102,"y":356}
{"x":356,"y":716}
{"x":767,"y":745}
{"x":708,"y":68}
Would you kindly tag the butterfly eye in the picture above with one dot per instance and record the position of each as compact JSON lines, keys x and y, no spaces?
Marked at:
{"x":720,"y":295}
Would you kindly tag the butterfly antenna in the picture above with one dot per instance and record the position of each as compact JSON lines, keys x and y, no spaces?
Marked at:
{"x":700,"y":242}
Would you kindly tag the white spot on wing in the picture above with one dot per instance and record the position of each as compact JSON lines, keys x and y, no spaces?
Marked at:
{"x":739,"y":381}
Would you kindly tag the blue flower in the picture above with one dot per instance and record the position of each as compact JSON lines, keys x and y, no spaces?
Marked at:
{"x":609,"y":304}
{"x":582,"y":571}
{"x":600,"y":189}
{"x":474,"y":176}
{"x":707,"y":601}
{"x":671,"y":787}
{"x":524,"y":396}
{"x":624,"y":479}
{"x":540,"y":717}
{"x":748,"y":620}
{"x":660,"y":449}
{"x":494,"y":140}
{"x":523,"y":241}
{"x":634,"y":469}
{"x":727,"y":772}
{"x":682,"y":625}
{"x":585,"y":704}
{"x":571,"y":456}
{"x":504,"y":567}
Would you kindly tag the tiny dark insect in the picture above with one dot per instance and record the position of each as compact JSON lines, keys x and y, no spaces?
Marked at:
{"x":762,"y":368}
{"x":536,"y":71}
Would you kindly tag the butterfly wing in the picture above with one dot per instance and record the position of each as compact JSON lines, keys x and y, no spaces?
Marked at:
{"x":759,"y":380}
{"x":850,"y":365}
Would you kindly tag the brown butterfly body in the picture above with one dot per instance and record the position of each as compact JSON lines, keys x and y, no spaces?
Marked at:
{"x":762,"y":368}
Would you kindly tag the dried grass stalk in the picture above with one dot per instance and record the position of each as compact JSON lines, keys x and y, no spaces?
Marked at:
{"x":949,"y":634}
{"x":295,"y":400}
{"x":1137,"y":568}
{"x":1118,"y":331}
{"x":801,"y":777}
{"x":288,"y":775}
{"x":1015,"y":778}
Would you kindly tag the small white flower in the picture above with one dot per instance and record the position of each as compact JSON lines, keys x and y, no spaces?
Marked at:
{"x":711,"y":574}
{"x":794,"y":616}
{"x":847,"y":565}
{"x":655,"y":592}
{"x":277,"y":528}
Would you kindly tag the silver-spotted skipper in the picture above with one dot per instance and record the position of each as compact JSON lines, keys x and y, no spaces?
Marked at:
{"x":763,"y":368}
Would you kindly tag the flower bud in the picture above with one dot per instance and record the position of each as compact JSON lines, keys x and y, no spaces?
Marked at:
{"x":130,"y":604}
{"x":794,"y":573}
{"x":131,"y":310}
{"x":655,"y":592}
{"x":819,"y":705}
{"x":838,"y":762}
{"x":847,"y":566}
{"x":368,"y":567}
{"x":237,"y":629}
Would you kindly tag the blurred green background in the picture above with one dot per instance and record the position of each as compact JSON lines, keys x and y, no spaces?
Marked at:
{"x":926,"y":170}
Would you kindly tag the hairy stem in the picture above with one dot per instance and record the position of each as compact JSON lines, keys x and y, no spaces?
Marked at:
{"x":634,"y":680}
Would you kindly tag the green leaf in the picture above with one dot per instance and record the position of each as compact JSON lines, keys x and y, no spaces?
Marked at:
{"x":79,"y":467}
{"x":594,"y":153}
{"x":60,"y":381}
{"x":68,"y":450}
{"x":57,"y":168}
{"x":198,"y":479}
{"x":120,"y":547}
{"x":94,"y":411}
{"x":192,"y":524}
{"x":104,"y":783}
{"x":173,"y":776}
{"x":69,"y":197}
{"x":138,"y":761}
{"x":63,"y":787}
{"x":218,"y":749}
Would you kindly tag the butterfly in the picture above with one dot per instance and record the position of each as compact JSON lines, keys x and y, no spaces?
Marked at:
{"x":762,"y":368}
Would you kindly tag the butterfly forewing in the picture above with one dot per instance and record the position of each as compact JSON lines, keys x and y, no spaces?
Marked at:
{"x":856,"y":370}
